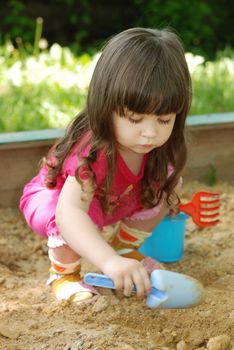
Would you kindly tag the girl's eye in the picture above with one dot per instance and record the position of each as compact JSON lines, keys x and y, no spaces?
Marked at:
{"x":134,"y":121}
{"x":164,"y":121}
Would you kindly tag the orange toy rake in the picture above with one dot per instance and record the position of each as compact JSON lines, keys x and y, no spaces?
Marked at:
{"x":203,"y":208}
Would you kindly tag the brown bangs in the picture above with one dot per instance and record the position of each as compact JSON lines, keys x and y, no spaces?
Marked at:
{"x":158,"y":93}
{"x":153,"y":99}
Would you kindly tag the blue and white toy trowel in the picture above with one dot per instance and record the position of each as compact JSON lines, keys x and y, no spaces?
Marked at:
{"x":169,"y":290}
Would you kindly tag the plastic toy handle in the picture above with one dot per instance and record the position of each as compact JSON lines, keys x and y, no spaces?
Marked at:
{"x":99,"y":280}
{"x":188,"y":208}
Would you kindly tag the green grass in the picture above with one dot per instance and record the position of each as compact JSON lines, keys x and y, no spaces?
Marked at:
{"x":48,"y":90}
{"x":213,"y":87}
{"x":31,"y":107}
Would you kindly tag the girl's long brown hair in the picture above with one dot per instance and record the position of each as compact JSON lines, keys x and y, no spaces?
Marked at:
{"x":145,"y":71}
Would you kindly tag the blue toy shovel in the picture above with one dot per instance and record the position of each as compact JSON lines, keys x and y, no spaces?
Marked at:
{"x":169,"y":290}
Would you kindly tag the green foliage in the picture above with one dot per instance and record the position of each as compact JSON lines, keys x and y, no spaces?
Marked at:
{"x":31,"y":107}
{"x":38,"y":33}
{"x":17,"y":21}
{"x":43,"y":91}
{"x":49,"y":89}
{"x":204,"y":26}
{"x":66,"y":22}
{"x":213,"y":85}
{"x":211,"y":176}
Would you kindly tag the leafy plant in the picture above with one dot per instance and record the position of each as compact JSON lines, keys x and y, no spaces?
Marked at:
{"x":42,"y":91}
{"x":213,"y":85}
{"x":211,"y":177}
{"x":49,"y":89}
{"x":204,"y":26}
{"x":17,"y":22}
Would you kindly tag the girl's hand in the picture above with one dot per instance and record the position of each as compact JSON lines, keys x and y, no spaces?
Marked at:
{"x":127,"y":273}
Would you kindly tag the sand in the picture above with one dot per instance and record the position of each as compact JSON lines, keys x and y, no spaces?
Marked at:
{"x":30,"y":317}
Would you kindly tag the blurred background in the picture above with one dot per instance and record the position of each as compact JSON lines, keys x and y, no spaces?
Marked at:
{"x":48,"y":50}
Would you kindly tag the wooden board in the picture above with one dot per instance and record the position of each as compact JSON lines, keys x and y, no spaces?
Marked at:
{"x":211,"y":149}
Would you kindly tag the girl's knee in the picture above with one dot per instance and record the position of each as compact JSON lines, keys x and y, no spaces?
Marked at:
{"x":64,"y":254}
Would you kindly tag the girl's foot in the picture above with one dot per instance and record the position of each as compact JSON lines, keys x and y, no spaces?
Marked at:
{"x":71,"y":287}
{"x":67,"y":284}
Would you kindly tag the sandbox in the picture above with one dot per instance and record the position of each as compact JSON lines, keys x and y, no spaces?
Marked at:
{"x":30,"y":318}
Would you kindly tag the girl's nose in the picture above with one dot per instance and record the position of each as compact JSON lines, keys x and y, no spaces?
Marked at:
{"x":149,"y":130}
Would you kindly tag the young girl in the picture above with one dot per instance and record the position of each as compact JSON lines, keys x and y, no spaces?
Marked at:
{"x":119,"y":161}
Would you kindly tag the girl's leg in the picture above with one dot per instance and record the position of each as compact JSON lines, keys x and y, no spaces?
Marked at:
{"x":38,"y":205}
{"x":64,"y":254}
{"x":134,"y":230}
{"x":147,"y":223}
{"x":65,"y":279}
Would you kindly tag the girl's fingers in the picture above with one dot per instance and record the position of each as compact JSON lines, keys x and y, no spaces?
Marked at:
{"x":139,"y":284}
{"x":128,"y":286}
{"x":146,"y":278}
{"x":118,"y":282}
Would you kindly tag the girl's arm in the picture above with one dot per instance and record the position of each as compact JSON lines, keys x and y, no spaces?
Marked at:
{"x":77,"y":228}
{"x":83,"y":237}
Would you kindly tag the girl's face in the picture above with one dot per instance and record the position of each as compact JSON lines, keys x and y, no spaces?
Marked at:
{"x":141,"y":133}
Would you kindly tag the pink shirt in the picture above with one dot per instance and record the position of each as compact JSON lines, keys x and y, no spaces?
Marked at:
{"x":125,"y":190}
{"x":38,"y":203}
